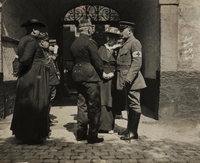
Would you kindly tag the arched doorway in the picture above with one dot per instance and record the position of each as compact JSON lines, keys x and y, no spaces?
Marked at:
{"x":101,"y":16}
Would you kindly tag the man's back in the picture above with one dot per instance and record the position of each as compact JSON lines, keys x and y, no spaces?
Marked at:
{"x":88,"y":64}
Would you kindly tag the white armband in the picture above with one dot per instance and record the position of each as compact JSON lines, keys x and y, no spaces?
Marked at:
{"x":137,"y":54}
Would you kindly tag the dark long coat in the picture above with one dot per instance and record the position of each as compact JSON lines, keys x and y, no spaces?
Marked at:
{"x":107,"y":86}
{"x":109,"y":63}
{"x":30,"y":121}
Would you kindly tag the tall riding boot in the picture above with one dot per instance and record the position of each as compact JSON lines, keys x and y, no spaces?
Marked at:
{"x":134,"y":122}
{"x":125,"y":132}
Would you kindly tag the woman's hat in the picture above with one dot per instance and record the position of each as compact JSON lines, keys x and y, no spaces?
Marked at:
{"x":112,"y":30}
{"x":33,"y":22}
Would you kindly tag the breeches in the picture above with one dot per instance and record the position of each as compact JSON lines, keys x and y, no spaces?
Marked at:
{"x":134,"y":100}
{"x":89,"y":107}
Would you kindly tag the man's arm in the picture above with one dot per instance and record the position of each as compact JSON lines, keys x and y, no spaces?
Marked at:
{"x":96,"y":59}
{"x":28,"y":53}
{"x":136,"y":61}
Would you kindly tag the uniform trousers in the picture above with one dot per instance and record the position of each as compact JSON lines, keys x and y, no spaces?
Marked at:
{"x":134,"y":101}
{"x":89,"y":108}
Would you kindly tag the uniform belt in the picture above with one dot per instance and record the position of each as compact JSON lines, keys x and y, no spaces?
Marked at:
{"x":80,"y":63}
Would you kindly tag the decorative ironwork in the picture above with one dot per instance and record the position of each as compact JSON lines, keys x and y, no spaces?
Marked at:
{"x":94,"y":12}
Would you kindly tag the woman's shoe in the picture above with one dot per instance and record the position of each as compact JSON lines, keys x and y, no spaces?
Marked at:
{"x":111,"y":132}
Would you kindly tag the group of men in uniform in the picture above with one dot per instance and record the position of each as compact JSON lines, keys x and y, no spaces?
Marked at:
{"x":88,"y":71}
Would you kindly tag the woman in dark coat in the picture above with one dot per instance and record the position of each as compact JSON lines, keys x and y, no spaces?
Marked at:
{"x":30,"y":123}
{"x":108,"y":54}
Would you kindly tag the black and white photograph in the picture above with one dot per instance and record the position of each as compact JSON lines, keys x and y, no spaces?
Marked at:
{"x":100,"y":81}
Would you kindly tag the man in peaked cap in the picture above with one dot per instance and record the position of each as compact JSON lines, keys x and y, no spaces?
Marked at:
{"x":87,"y":71}
{"x":130,"y":79}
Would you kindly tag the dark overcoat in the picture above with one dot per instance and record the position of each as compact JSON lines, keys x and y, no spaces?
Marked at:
{"x":88,"y":64}
{"x":31,"y":110}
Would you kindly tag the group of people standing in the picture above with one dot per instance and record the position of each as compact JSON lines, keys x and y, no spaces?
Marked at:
{"x":99,"y":75}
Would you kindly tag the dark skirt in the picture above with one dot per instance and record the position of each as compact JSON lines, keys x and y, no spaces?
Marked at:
{"x":106,"y":93}
{"x":107,"y":118}
{"x":30,"y":122}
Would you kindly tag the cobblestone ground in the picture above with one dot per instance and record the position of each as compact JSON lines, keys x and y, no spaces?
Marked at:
{"x":158,"y":143}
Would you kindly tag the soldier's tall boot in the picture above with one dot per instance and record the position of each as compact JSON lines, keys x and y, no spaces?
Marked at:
{"x":134,"y":122}
{"x":125,"y":132}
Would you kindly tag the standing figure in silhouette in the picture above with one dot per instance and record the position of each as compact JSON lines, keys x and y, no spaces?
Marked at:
{"x":30,"y":123}
{"x":87,"y":71}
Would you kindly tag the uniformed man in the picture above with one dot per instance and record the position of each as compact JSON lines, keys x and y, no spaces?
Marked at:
{"x":86,"y":73}
{"x":129,"y":78}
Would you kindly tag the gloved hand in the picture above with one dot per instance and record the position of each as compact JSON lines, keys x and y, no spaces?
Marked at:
{"x":116,"y":46}
{"x":51,"y":48}
{"x":126,"y":83}
{"x":55,"y":49}
{"x":108,"y":76}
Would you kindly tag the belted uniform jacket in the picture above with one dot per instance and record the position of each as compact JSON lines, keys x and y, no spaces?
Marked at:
{"x":88,"y":63}
{"x":129,"y":62}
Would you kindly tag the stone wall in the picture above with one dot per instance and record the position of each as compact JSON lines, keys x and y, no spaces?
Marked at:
{"x":189,"y":35}
{"x":180,"y":95}
{"x":180,"y":75}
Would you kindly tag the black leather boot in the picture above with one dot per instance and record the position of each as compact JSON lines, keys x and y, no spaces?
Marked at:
{"x":134,"y":122}
{"x":81,"y":136}
{"x":95,"y":140}
{"x":125,"y":132}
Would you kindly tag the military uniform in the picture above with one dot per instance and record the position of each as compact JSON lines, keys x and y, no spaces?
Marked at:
{"x":129,"y":62}
{"x":86,"y":73}
{"x":130,"y":79}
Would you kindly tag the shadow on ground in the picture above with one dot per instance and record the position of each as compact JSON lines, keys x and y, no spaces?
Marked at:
{"x":66,"y":101}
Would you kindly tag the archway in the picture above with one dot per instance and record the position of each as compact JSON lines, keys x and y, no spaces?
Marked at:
{"x":101,"y":16}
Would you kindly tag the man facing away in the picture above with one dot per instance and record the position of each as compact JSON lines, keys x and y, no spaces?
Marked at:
{"x":87,"y":71}
{"x":130,"y":79}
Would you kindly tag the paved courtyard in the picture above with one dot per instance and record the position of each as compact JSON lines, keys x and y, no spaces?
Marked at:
{"x":158,"y":142}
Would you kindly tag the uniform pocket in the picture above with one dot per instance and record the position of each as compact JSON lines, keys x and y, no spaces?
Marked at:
{"x":121,"y":75}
